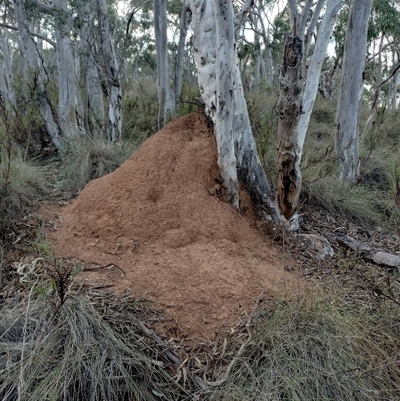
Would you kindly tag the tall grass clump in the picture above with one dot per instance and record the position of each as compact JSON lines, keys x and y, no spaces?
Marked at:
{"x":77,"y":352}
{"x":21,"y":182}
{"x":318,"y":352}
{"x":88,"y":158}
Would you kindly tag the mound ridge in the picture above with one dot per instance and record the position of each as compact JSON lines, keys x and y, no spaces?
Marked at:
{"x":157,"y":220}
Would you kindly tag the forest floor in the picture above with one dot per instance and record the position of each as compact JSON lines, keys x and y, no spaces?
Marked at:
{"x":157,"y":228}
{"x":157,"y":234}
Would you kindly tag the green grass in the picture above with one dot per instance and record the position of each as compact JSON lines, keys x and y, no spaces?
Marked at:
{"x":22,"y":182}
{"x":90,"y":158}
{"x":318,"y":352}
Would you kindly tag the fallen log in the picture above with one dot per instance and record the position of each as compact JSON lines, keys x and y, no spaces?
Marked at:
{"x":378,"y":257}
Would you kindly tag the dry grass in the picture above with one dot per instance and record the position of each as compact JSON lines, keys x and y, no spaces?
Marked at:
{"x":318,"y":352}
{"x":83,"y":350}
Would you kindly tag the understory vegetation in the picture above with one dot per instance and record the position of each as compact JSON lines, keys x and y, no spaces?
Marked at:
{"x":83,"y":346}
{"x":86,"y":345}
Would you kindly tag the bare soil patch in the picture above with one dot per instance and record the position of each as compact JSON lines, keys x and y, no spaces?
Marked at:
{"x":157,"y":227}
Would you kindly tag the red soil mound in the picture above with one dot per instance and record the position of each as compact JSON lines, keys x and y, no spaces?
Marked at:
{"x":186,"y":249}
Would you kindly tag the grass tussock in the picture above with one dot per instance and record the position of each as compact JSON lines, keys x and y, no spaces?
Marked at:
{"x":79,"y":351}
{"x":355,"y":202}
{"x":317,"y":352}
{"x":90,"y":158}
{"x":21,"y":183}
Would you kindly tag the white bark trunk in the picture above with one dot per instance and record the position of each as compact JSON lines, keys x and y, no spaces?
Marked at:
{"x":67,"y":117}
{"x":351,"y":86}
{"x":393,"y":86}
{"x":112,"y":69}
{"x":28,"y":50}
{"x":166,"y":104}
{"x":7,"y":82}
{"x":314,"y":71}
{"x":221,"y":89}
{"x":376,"y":100}
{"x":225,"y":42}
{"x":93,"y":102}
{"x":180,"y":55}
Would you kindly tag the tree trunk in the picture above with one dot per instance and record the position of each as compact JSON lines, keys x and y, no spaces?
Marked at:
{"x":166,"y":103}
{"x":111,"y":67}
{"x":293,"y":108}
{"x":375,"y":103}
{"x":7,"y":82}
{"x":314,"y":71}
{"x":93,"y":102}
{"x":180,"y":55}
{"x":350,"y":92}
{"x":67,"y":96}
{"x":221,"y":89}
{"x":28,"y":50}
{"x":393,"y":85}
{"x":289,"y":109}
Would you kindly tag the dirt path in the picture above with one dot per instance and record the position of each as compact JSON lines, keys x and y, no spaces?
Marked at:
{"x":159,"y":229}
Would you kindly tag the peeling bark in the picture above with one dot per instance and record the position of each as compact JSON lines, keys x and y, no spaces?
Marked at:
{"x":289,"y":109}
{"x":221,"y":89}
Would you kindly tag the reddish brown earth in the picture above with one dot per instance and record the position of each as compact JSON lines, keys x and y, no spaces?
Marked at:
{"x":160,"y":230}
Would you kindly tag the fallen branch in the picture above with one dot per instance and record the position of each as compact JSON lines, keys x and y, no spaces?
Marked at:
{"x":378,"y":257}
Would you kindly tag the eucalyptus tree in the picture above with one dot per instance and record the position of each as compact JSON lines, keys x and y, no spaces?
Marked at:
{"x":93,"y":99}
{"x":166,"y":102}
{"x":383,"y":34}
{"x":68,"y":108}
{"x":29,"y":51}
{"x":6,"y":75}
{"x":351,"y":89}
{"x":113,"y":72}
{"x":215,"y":51}
{"x":297,"y":95}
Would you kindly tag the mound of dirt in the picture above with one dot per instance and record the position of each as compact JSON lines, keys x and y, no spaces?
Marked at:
{"x":160,"y":230}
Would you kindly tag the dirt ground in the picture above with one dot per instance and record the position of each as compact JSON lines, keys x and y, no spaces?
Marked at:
{"x":158,"y":228}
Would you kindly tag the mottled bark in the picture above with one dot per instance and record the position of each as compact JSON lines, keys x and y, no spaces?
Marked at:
{"x":289,"y":109}
{"x":112,"y":69}
{"x":67,"y":87}
{"x":93,"y":101}
{"x":28,"y":50}
{"x":224,"y":100}
{"x":219,"y":76}
{"x":375,"y":103}
{"x":350,"y":92}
